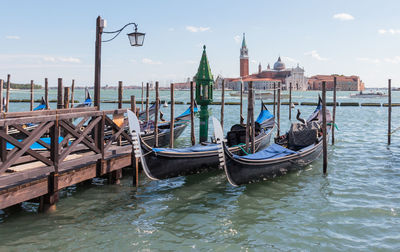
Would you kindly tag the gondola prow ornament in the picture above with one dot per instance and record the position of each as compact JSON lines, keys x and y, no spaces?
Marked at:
{"x":204,"y":93}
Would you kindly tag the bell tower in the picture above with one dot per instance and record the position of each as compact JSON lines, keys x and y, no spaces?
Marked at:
{"x":244,"y":59}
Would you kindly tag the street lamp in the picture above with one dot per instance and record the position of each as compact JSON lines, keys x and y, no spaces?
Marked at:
{"x":135,"y":38}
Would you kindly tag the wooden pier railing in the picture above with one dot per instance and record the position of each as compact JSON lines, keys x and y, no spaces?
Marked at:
{"x":55,"y":145}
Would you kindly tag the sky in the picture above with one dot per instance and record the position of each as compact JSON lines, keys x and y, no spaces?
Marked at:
{"x":56,"y":39}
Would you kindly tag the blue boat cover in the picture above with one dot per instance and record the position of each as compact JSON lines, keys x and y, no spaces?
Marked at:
{"x":195,"y":148}
{"x":263,"y":116}
{"x":272,"y":151}
{"x":88,"y":102}
{"x":36,"y":145}
{"x":187,"y":112}
{"x":40,"y":107}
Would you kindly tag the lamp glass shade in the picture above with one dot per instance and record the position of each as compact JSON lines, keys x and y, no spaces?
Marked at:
{"x":136,"y":38}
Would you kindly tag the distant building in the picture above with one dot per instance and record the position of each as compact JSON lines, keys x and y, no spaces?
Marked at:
{"x":265,"y":79}
{"x":344,"y":83}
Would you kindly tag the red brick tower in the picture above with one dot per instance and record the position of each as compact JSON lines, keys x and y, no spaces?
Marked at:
{"x":244,"y":59}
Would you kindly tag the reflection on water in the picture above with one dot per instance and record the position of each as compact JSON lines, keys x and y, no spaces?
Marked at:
{"x":355,"y":207}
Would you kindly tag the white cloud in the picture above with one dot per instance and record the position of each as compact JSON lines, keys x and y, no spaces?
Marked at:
{"x":288,"y":59}
{"x":343,"y":16}
{"x":389,"y":31}
{"x":171,"y":29}
{"x":69,"y":60}
{"x":394,"y":60}
{"x":38,"y":58}
{"x":197,"y":29}
{"x":237,"y":39}
{"x":314,"y":54}
{"x":150,"y":61}
{"x":133,"y":60}
{"x":13,"y":37}
{"x":369,"y":60}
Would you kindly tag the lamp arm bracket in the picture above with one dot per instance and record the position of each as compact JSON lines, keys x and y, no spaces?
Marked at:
{"x":118,"y":31}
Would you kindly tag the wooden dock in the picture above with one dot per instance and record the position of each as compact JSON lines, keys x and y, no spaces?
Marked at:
{"x":84,"y":143}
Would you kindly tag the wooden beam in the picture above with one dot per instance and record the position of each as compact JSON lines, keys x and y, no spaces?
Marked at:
{"x":171,"y":137}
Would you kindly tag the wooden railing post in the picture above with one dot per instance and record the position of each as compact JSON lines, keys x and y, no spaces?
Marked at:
{"x":52,"y":196}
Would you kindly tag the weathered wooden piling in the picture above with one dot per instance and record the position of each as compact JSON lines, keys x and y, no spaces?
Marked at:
{"x":60,"y":104}
{"x":147,"y":102}
{"x":222,"y":103}
{"x":241,"y":103}
{"x":8,"y":93}
{"x":250,"y":118}
{"x":253,"y":125}
{"x":73,"y":93}
{"x":192,"y":136}
{"x":32,"y":95}
{"x":278,"y":110}
{"x":1,"y":96}
{"x":274,"y":99}
{"x":141,"y":99}
{"x":324,"y":131}
{"x":389,"y":110}
{"x":334,"y":110}
{"x":46,"y":92}
{"x":156,"y":116}
{"x":133,"y":104}
{"x":290,"y":101}
{"x":66,"y":97}
{"x":120,"y":94}
{"x":172,"y":121}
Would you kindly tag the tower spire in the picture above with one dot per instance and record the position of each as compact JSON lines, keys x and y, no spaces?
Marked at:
{"x":244,"y":58}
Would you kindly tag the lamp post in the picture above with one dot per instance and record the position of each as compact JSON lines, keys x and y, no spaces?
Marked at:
{"x":135,"y":38}
{"x":204,"y":93}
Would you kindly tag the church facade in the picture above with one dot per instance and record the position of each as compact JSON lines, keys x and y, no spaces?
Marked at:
{"x":265,"y":79}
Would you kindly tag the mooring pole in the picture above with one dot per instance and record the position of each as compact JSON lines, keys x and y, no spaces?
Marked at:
{"x":389,"y":110}
{"x":334,"y":110}
{"x":249,"y":111}
{"x":46,"y":92}
{"x":192,"y":136}
{"x":73,"y":93}
{"x":324,"y":131}
{"x":32,"y":96}
{"x":1,"y":96}
{"x":156,"y":116}
{"x":278,"y":110}
{"x":274,"y":99}
{"x":97,"y":63}
{"x":147,"y":102}
{"x":141,"y":99}
{"x":222,"y":103}
{"x":172,"y":120}
{"x":66,"y":97}
{"x":241,"y":103}
{"x":133,"y":104}
{"x":120,"y":90}
{"x":8,"y":93}
{"x":253,"y":125}
{"x":60,"y":104}
{"x":290,"y":101}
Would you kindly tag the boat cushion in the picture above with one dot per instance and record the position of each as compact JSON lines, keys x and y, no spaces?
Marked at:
{"x":195,"y":148}
{"x":272,"y":151}
{"x":302,"y":135}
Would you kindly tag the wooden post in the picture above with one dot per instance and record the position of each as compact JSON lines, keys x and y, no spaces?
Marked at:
{"x":66,"y":97}
{"x":97,"y":63}
{"x":147,"y":102}
{"x":192,"y":136}
{"x":389,"y":110}
{"x":141,"y":100}
{"x":253,"y":125}
{"x":32,"y":95}
{"x":156,"y":116}
{"x":324,"y":132}
{"x":73,"y":93}
{"x":172,"y":121}
{"x":120,"y":92}
{"x":274,"y":98}
{"x":222,"y":103}
{"x":241,"y":103}
{"x":46,"y":92}
{"x":8,"y":93}
{"x":290,"y":101}
{"x":60,"y":104}
{"x":133,"y":104}
{"x":249,"y":108}
{"x":278,"y":110}
{"x":137,"y":171}
{"x":1,"y":96}
{"x":334,"y":110}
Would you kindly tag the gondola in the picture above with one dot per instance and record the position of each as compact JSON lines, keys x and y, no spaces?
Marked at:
{"x":41,"y":106}
{"x":152,"y":111}
{"x":292,"y":151}
{"x":162,"y":163}
{"x":88,"y":100}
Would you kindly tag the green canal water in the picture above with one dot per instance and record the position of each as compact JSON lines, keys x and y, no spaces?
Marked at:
{"x":356,"y":207}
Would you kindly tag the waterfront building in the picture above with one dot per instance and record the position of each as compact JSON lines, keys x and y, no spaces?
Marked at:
{"x":344,"y":83}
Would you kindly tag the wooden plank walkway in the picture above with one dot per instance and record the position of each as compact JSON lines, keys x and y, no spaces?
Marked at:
{"x":77,"y":151}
